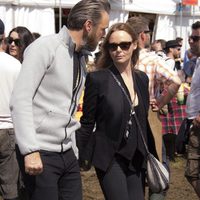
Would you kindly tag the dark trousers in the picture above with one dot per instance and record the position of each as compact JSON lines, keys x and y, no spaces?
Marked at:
{"x":170,"y":144}
{"x":120,"y":183}
{"x":60,"y":179}
{"x":9,"y":169}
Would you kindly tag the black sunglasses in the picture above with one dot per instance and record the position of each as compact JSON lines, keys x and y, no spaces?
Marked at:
{"x":194,"y":38}
{"x":16,"y":41}
{"x":178,"y":48}
{"x":147,"y":31}
{"x":123,"y":46}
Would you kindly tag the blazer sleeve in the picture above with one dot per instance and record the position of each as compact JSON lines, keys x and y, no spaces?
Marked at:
{"x":85,"y":134}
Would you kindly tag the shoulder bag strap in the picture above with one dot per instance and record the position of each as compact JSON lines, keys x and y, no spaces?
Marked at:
{"x":132,"y":111}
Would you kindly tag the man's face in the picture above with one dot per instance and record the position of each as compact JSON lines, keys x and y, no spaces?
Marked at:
{"x":97,"y":33}
{"x":147,"y":37}
{"x":194,"y":41}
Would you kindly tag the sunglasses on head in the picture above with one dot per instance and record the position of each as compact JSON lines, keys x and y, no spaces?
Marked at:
{"x":16,"y":41}
{"x":194,"y":38}
{"x":123,"y":46}
{"x":147,"y":31}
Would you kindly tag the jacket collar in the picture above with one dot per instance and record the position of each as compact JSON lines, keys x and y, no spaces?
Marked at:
{"x":67,"y":40}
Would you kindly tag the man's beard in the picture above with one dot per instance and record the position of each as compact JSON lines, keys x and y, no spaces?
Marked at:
{"x":195,"y":51}
{"x":90,"y":41}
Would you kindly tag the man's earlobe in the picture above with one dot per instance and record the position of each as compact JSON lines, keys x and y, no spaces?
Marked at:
{"x":142,"y":35}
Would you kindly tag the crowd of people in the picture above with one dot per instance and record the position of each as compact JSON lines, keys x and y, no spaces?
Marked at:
{"x":44,"y":145}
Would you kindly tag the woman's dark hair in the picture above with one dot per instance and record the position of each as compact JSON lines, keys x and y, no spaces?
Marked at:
{"x":25,"y":37}
{"x":105,"y":59}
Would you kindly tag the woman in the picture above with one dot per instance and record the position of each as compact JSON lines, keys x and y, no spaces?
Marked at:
{"x":18,"y":39}
{"x":117,"y":150}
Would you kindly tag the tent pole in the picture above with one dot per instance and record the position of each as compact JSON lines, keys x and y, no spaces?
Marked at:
{"x":193,"y":13}
{"x":181,"y":18}
{"x":60,"y":15}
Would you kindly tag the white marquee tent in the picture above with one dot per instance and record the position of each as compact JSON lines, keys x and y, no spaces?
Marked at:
{"x":39,"y":15}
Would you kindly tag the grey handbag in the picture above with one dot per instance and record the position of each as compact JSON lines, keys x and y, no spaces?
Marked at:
{"x":157,"y":175}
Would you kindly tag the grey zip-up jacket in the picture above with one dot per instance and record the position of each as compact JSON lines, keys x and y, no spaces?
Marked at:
{"x":43,"y":104}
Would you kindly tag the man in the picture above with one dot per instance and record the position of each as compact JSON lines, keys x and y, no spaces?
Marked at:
{"x":173,"y":52}
{"x":45,"y":100}
{"x":172,"y":119}
{"x":193,"y":113}
{"x":158,"y":71}
{"x":9,"y":169}
{"x":158,"y":45}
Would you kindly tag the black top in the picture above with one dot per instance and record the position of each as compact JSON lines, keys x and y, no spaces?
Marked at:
{"x":107,"y":109}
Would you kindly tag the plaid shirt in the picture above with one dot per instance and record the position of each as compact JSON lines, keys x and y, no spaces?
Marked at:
{"x":157,"y":70}
{"x":171,"y":122}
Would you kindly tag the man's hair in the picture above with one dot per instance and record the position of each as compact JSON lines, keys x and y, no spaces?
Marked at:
{"x":87,"y":10}
{"x":162,"y":42}
{"x":138,"y":23}
{"x":196,"y":25}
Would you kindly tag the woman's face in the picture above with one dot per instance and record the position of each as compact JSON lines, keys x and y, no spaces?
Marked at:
{"x":14,"y":43}
{"x":121,"y":47}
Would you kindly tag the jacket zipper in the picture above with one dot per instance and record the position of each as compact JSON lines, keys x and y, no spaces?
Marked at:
{"x":73,"y":105}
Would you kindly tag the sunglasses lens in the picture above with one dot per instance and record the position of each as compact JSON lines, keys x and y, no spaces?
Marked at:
{"x":112,"y":46}
{"x":123,"y":46}
{"x":16,"y":41}
{"x":195,"y":38}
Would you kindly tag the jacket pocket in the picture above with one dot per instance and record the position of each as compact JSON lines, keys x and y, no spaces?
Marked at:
{"x":53,"y":124}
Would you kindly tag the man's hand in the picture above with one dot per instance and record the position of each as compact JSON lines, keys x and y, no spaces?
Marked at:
{"x":154,"y":105}
{"x":33,"y":164}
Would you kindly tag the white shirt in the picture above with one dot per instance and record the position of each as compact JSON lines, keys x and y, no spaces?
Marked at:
{"x":9,"y":70}
{"x":193,"y":99}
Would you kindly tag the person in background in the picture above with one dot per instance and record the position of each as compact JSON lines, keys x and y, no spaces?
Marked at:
{"x":189,"y":63}
{"x":9,"y":169}
{"x":45,"y":100}
{"x":158,"y":46}
{"x":18,"y":39}
{"x":158,"y":72}
{"x":193,"y":114}
{"x":172,"y":119}
{"x":179,"y":40}
{"x":173,"y":51}
{"x":118,"y":150}
{"x":179,"y":61}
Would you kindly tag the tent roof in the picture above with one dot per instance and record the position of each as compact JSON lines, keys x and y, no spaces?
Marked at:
{"x":41,"y":3}
{"x":148,"y":6}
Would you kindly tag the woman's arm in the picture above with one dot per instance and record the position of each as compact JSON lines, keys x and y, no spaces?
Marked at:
{"x":84,"y":134}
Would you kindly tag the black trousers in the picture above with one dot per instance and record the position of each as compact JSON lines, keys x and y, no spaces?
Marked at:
{"x":120,"y":183}
{"x":170,"y":144}
{"x":60,"y":179}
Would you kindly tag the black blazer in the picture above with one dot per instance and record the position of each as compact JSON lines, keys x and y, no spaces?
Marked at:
{"x":105,"y":115}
